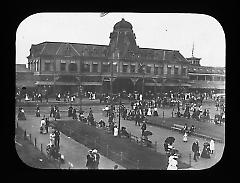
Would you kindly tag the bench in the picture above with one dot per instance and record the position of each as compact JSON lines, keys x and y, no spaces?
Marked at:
{"x":177,"y":127}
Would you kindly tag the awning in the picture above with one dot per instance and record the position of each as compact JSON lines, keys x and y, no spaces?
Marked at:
{"x":91,"y":83}
{"x":66,"y":83}
{"x":171,"y":84}
{"x":25,"y":84}
{"x":185,"y":84}
{"x":44,"y":83}
{"x":153,"y":84}
{"x":208,"y":85}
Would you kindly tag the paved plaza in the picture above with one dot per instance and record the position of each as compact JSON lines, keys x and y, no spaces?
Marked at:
{"x":75,"y":153}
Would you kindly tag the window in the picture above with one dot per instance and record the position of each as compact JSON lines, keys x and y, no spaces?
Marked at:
{"x":208,"y":78}
{"x":132,"y":68}
{"x":184,"y":71}
{"x":222,"y":78}
{"x":217,"y":78}
{"x":72,"y":67}
{"x":63,"y":67}
{"x":95,"y":67}
{"x":47,"y":66}
{"x":176,"y":70}
{"x":201,"y":77}
{"x":115,"y":67}
{"x":85,"y":67}
{"x":169,"y":68}
{"x":161,"y":70}
{"x":156,"y":70}
{"x":192,"y":77}
{"x":148,"y":69}
{"x":124,"y":68}
{"x":106,"y":67}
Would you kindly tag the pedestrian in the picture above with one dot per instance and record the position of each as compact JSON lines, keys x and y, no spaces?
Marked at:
{"x":115,"y":167}
{"x":90,"y":160}
{"x":96,"y":159}
{"x":57,"y":138}
{"x":42,"y":126}
{"x":172,"y":163}
{"x":52,"y":138}
{"x":195,"y":149}
{"x":37,"y":111}
{"x":52,"y":111}
{"x":144,"y":127}
{"x":115,"y":132}
{"x":47,"y":124}
{"x":212,"y":146}
{"x":185,"y":137}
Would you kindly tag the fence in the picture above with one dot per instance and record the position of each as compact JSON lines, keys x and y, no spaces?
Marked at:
{"x":40,"y":146}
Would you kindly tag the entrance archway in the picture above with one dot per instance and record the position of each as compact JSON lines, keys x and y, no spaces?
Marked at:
{"x":123,"y":84}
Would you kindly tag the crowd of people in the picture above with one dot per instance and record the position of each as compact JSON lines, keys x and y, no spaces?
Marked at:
{"x":93,"y":158}
{"x":208,"y":149}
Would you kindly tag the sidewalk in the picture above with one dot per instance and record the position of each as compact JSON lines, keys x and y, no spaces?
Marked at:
{"x":74,"y":153}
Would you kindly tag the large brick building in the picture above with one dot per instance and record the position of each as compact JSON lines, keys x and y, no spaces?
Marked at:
{"x":62,"y":66}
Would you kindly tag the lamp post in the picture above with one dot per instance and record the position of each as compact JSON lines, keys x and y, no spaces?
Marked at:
{"x":80,"y":97}
{"x":143,"y":77}
{"x":119,"y":115}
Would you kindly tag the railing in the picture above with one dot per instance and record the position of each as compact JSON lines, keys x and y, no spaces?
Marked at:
{"x":40,"y":146}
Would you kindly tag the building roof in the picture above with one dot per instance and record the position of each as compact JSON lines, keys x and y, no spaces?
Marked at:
{"x":71,"y":49}
{"x":80,"y":49}
{"x":123,"y":24}
{"x":122,"y":45}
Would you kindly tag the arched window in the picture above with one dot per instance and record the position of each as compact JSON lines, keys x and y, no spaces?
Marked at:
{"x":72,"y":67}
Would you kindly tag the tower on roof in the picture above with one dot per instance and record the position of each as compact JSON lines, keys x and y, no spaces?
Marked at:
{"x":122,"y":39}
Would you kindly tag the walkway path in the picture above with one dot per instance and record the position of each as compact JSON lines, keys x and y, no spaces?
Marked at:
{"x":74,"y":153}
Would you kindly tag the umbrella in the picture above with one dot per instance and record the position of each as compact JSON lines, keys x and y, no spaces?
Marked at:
{"x":147,"y":133}
{"x":170,"y":140}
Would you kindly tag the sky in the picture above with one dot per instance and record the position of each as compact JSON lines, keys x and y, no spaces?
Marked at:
{"x":175,"y":31}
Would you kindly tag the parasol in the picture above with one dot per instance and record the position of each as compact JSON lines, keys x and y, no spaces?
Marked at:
{"x":170,"y":140}
{"x":147,"y":133}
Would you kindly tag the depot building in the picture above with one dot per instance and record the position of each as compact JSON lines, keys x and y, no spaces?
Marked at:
{"x":120,"y":66}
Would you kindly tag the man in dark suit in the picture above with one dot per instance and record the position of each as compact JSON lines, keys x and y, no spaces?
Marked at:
{"x":195,"y":149}
{"x":57,"y":138}
{"x":90,"y":160}
{"x":144,"y":127}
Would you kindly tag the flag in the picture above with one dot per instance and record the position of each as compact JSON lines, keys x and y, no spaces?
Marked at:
{"x":192,"y":49}
{"x":102,"y":14}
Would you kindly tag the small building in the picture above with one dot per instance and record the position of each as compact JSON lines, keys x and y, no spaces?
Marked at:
{"x":205,"y":78}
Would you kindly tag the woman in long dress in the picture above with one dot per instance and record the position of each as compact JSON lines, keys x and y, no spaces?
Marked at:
{"x":212,"y":148}
{"x":115,"y":132}
{"x":172,"y":163}
{"x":185,"y":137}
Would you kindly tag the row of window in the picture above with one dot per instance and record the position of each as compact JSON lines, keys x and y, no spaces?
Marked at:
{"x":206,"y":78}
{"x":85,"y":67}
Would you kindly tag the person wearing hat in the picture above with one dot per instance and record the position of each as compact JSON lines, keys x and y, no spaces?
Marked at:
{"x":185,"y":137}
{"x":195,"y":149}
{"x":115,"y":167}
{"x":96,"y":158}
{"x":90,"y":159}
{"x":144,"y":127}
{"x":172,"y":163}
{"x":212,"y":148}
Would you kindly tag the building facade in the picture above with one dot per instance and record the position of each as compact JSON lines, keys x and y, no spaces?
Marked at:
{"x":204,"y":77}
{"x":120,"y":66}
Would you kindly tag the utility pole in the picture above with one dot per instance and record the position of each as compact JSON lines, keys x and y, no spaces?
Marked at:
{"x":143,"y":77}
{"x":119,"y":115}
